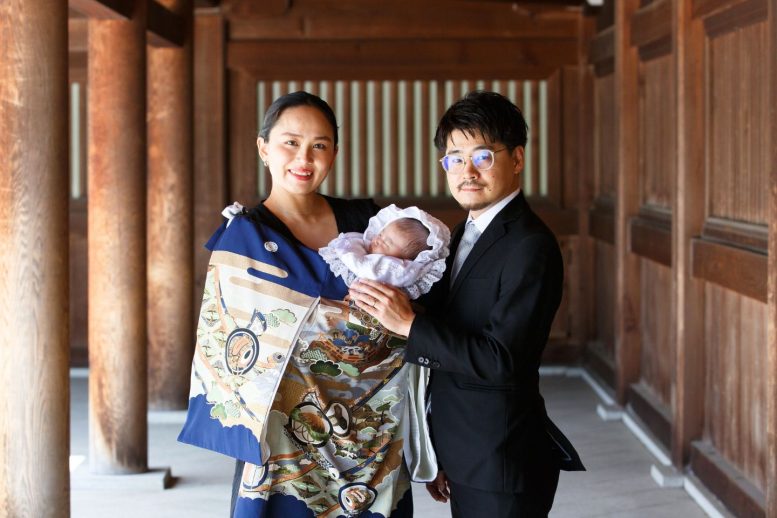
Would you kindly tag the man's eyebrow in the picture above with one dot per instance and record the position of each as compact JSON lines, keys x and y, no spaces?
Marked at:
{"x":481,"y":146}
{"x":297,"y":135}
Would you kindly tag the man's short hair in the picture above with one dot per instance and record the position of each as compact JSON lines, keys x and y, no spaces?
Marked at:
{"x":487,"y":114}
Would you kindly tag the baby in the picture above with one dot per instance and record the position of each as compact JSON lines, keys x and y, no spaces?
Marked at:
{"x":402,"y":247}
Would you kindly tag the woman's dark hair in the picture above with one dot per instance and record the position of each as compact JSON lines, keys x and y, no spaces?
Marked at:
{"x":487,"y":114}
{"x":292,"y":100}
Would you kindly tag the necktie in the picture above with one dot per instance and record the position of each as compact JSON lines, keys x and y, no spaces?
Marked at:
{"x":468,"y":239}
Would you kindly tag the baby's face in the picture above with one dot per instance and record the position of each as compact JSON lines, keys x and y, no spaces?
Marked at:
{"x":391,"y":241}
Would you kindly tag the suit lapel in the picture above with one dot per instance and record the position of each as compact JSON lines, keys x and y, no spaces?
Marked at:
{"x":494,"y":232}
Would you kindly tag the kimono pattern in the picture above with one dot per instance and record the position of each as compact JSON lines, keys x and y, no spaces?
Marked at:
{"x":296,"y":381}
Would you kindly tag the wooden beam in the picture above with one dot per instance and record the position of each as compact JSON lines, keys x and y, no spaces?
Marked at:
{"x":601,"y":53}
{"x":652,"y":30}
{"x":736,"y":17}
{"x":652,"y":23}
{"x":251,"y":8}
{"x":602,"y":223}
{"x":391,"y":59}
{"x":627,"y":278}
{"x":652,"y":239}
{"x":103,"y":9}
{"x":688,"y":213}
{"x":164,"y":27}
{"x":737,"y":269}
{"x":392,"y":19}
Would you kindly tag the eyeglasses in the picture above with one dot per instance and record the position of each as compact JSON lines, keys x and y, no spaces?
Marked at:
{"x":482,"y":160}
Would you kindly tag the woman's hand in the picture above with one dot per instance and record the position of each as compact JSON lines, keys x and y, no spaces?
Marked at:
{"x":390,"y":305}
{"x":438,"y":487}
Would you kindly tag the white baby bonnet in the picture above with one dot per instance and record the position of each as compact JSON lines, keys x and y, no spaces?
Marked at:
{"x":347,"y":254}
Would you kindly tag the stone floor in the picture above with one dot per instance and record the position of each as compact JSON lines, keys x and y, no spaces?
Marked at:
{"x":617,"y":483}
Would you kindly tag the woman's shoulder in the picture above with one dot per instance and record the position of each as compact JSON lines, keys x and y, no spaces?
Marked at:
{"x":352,"y":215}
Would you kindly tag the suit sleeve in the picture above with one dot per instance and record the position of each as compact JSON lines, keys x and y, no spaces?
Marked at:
{"x":517,"y":325}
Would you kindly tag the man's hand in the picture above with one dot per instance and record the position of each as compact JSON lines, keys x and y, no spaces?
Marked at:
{"x":390,"y":305}
{"x":438,"y":487}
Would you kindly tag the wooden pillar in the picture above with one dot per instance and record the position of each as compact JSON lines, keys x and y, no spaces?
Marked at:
{"x":687,"y":222}
{"x":771,"y":384}
{"x":243,"y":130}
{"x":170,"y":337}
{"x":118,"y":431}
{"x":627,"y":337}
{"x":34,"y":411}
{"x":210,"y":176}
{"x":582,"y":319}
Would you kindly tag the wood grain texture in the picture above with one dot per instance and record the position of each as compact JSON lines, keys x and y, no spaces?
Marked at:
{"x":602,"y":222}
{"x":210,"y":129}
{"x":626,"y":280}
{"x":736,"y":379}
{"x":657,"y":132}
{"x":771,"y":315}
{"x":604,"y":299}
{"x":737,"y":269}
{"x":117,"y":245}
{"x":652,"y":23}
{"x":736,"y":16}
{"x":243,"y":130}
{"x":392,"y":59}
{"x":604,"y":134}
{"x":738,"y":115}
{"x":688,"y":212}
{"x":651,"y":238}
{"x":657,"y":333}
{"x":169,"y":226}
{"x":601,"y":53}
{"x":726,"y":481}
{"x":344,"y":19}
{"x":34,"y":412}
{"x":583,"y":314}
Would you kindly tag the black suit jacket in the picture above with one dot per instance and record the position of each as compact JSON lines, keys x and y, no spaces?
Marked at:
{"x":483,"y":339}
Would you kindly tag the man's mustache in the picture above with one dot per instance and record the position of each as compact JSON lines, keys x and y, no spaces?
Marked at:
{"x":469,"y":184}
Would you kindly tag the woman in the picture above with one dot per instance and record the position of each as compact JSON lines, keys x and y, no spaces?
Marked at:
{"x":307,"y":391}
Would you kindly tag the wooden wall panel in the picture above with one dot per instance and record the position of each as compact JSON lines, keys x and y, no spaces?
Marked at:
{"x":738,"y":111}
{"x":604,"y":298}
{"x":657,"y":341}
{"x":604,"y":122}
{"x":657,"y":132}
{"x":736,"y":377}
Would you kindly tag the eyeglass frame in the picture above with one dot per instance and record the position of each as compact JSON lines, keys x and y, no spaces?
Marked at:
{"x":469,"y":157}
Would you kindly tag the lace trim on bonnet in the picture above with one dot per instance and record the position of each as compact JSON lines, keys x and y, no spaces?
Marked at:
{"x":416,"y":276}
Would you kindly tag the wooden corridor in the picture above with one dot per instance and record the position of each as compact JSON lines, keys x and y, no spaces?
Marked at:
{"x":617,"y":482}
{"x":127,"y":125}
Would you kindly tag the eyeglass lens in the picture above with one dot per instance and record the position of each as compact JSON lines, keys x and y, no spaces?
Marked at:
{"x":482,"y":160}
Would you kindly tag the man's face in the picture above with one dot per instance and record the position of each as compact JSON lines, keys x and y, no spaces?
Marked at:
{"x":477,"y":190}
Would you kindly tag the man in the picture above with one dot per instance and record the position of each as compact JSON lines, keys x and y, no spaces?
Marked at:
{"x":486,"y":325}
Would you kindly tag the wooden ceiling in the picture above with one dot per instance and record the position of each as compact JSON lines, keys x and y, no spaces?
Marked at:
{"x":377,"y":39}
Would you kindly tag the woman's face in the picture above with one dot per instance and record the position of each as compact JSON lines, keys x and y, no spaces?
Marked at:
{"x":300,"y":150}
